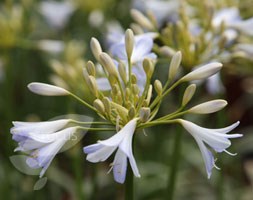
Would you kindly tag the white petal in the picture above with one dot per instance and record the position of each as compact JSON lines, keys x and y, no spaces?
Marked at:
{"x":101,"y":154}
{"x":245,"y":26}
{"x":228,"y":128}
{"x":92,"y":148}
{"x":47,"y":89}
{"x":207,"y":156}
{"x":118,"y":50}
{"x":120,"y":166}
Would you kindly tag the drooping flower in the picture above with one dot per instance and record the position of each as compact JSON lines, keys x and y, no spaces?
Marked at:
{"x":43,"y":140}
{"x":104,"y":148}
{"x":217,"y":139}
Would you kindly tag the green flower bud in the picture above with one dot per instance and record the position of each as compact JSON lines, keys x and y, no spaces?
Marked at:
{"x":95,"y":48}
{"x":91,"y":68}
{"x":129,"y":42}
{"x":158,"y":87}
{"x":107,"y":105}
{"x":188,"y":94}
{"x":144,"y":114}
{"x":133,"y":79}
{"x":174,"y":64}
{"x":122,"y":72}
{"x":99,"y":106}
{"x":131,"y":113}
{"x":142,"y":20}
{"x":148,"y":67}
{"x":92,"y":84}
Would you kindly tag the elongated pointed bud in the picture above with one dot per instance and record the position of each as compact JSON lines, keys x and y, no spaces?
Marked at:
{"x":133,"y":79}
{"x":131,"y":113}
{"x":141,"y":19}
{"x":208,"y":107}
{"x":174,"y":65}
{"x":107,"y":105}
{"x":149,"y":95}
{"x":144,"y":114}
{"x":136,"y":89}
{"x":91,"y":68}
{"x":203,"y":72}
{"x":92,"y":84}
{"x":47,"y":89}
{"x":122,"y":72}
{"x":95,"y":48}
{"x":129,"y":42}
{"x":108,"y":63}
{"x":188,"y":94}
{"x":98,"y":104}
{"x":158,"y":87}
{"x":148,"y":67}
{"x":167,"y":51}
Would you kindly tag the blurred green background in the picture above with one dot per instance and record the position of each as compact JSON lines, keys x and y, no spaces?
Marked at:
{"x":24,"y":58}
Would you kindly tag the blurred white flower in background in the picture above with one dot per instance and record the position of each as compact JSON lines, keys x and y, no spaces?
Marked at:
{"x":56,"y":13}
{"x":96,"y":18}
{"x":51,"y":46}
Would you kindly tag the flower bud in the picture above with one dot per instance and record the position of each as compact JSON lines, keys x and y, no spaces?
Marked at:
{"x":107,"y":105}
{"x":174,"y":64}
{"x":136,"y":89}
{"x":131,"y":113}
{"x":158,"y":87}
{"x":99,"y":106}
{"x":148,"y":67}
{"x":133,"y":79}
{"x":47,"y":89}
{"x":208,"y":107}
{"x":144,"y":114}
{"x":95,"y":48}
{"x":136,"y":28}
{"x":108,"y":63}
{"x":167,"y":51}
{"x":188,"y":94}
{"x":91,"y":68}
{"x":129,"y":42}
{"x":92,"y":84}
{"x":122,"y":72}
{"x":203,"y":72}
{"x":141,"y":19}
{"x":149,"y":95}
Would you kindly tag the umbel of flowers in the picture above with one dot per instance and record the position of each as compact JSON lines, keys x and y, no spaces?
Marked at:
{"x":127,"y":100}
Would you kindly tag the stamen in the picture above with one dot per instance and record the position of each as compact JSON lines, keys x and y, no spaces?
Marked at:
{"x":111,"y":166}
{"x":229,"y":153}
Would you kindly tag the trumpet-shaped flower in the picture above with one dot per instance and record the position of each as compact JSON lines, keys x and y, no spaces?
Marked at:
{"x":123,"y":141}
{"x":43,"y":140}
{"x":217,"y":139}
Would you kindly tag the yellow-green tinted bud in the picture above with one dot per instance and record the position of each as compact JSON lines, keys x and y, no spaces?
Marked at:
{"x":57,"y":67}
{"x":115,"y":89}
{"x":158,"y":87}
{"x":145,"y":103}
{"x":92,"y":84}
{"x":136,"y":28}
{"x":149,"y":95}
{"x":148,"y":67}
{"x":133,"y":79}
{"x":167,"y":51}
{"x":86,"y":76}
{"x":91,"y":68}
{"x":95,"y":48}
{"x":131,"y":113}
{"x":108,"y":63}
{"x":188,"y":94}
{"x":141,"y":19}
{"x":136,"y":98}
{"x":136,"y":89}
{"x":112,"y":79}
{"x":107,"y":105}
{"x":209,"y":107}
{"x":129,"y":104}
{"x":144,"y":114}
{"x":122,"y":72}
{"x":174,"y":64}
{"x":129,"y":42}
{"x":128,"y":94}
{"x":99,"y":106}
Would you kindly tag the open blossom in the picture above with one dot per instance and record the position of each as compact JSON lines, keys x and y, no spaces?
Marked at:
{"x":217,"y":139}
{"x":104,"y":148}
{"x":43,"y":140}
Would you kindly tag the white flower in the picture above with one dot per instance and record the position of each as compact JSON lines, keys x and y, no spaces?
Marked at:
{"x":217,"y":139}
{"x":56,"y":13}
{"x":123,"y":141}
{"x":42,"y":139}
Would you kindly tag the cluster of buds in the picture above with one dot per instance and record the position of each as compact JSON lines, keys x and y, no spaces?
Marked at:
{"x":129,"y":105}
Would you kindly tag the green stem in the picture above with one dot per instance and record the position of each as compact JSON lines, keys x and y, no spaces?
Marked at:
{"x":174,"y":163}
{"x":83,"y":102}
{"x":129,"y":190}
